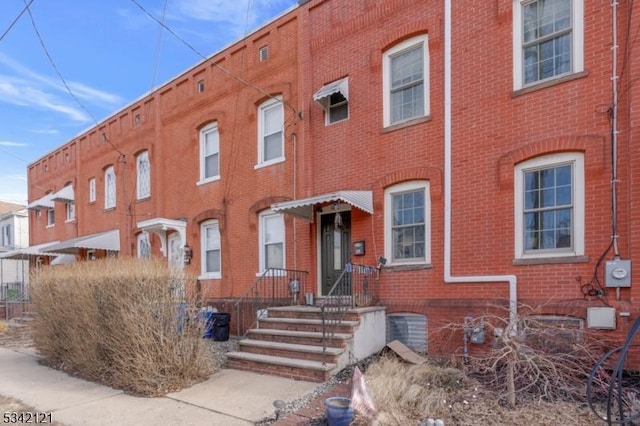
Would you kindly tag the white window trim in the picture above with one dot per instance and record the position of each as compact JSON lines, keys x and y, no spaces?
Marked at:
{"x":70,"y":211}
{"x":261,"y":240}
{"x":205,"y":275}
{"x":92,"y":190}
{"x":50,"y":223}
{"x":213,"y":127}
{"x":577,"y":44}
{"x":386,"y":77}
{"x":578,"y":204}
{"x":261,"y":109}
{"x":143,"y":238}
{"x":109,"y":204}
{"x":6,"y":235}
{"x":388,"y":221}
{"x":140,"y":158}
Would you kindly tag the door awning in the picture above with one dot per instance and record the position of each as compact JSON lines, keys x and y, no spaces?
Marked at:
{"x":37,"y":250}
{"x":109,"y":240}
{"x":64,"y":195}
{"x":303,"y":208}
{"x":43,"y":203}
{"x":325,"y":91}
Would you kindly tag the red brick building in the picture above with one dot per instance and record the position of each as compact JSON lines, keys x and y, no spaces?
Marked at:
{"x":478,"y":149}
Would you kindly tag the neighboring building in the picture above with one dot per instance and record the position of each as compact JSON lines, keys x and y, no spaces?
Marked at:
{"x":471,"y":152}
{"x":14,"y":234}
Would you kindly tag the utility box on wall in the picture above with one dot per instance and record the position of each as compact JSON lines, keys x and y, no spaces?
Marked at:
{"x":618,"y":273}
{"x":602,"y":318}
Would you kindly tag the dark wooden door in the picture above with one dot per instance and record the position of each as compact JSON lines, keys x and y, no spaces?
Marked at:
{"x":335,"y":247}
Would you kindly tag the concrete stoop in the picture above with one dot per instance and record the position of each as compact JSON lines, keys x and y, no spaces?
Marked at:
{"x":288,"y":343}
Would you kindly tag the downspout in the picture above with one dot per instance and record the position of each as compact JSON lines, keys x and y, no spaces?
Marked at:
{"x":511,"y":279}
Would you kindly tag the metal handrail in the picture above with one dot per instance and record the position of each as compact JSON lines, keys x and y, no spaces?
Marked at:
{"x":352,"y":288}
{"x":274,"y":287}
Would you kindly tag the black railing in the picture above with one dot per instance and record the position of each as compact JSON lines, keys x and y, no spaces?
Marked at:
{"x":356,"y":286}
{"x":274,"y":287}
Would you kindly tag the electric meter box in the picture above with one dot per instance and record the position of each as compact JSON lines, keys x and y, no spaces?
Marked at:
{"x":618,"y":273}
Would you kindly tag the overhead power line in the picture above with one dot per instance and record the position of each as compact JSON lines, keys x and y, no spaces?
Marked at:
{"x":15,"y":20}
{"x":64,"y":82}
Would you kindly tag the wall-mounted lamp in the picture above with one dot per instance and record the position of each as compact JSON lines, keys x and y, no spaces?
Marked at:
{"x":187,"y":254}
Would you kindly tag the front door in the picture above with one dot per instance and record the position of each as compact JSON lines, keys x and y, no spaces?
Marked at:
{"x":335,"y":243}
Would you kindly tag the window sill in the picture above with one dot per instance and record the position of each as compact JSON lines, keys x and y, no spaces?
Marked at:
{"x":145,"y":198}
{"x":408,"y":123}
{"x":272,"y":274}
{"x":412,"y":267}
{"x":548,"y":83}
{"x":269,"y":163}
{"x":70,"y":221}
{"x":50,"y":226}
{"x":205,"y":181}
{"x":210,"y":277}
{"x":109,"y":209}
{"x":550,"y":260}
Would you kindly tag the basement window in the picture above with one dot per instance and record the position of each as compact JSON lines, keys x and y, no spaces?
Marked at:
{"x":410,"y":329}
{"x":551,"y":332}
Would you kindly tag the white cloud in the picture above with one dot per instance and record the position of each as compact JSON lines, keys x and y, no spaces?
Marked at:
{"x":12,"y":144}
{"x":46,"y":131}
{"x":232,"y":16}
{"x":30,"y":89}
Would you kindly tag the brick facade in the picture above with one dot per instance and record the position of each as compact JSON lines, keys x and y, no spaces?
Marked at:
{"x":494,"y":128}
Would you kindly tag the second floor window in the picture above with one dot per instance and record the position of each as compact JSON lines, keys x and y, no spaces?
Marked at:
{"x":51,"y":217}
{"x":405,"y":81}
{"x":209,"y":153}
{"x":270,"y":132}
{"x":143,"y":176}
{"x":92,"y":190}
{"x":109,"y":188}
{"x":70,"y":208}
{"x":548,"y":40}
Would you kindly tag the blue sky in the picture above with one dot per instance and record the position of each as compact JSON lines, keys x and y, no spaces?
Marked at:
{"x":109,"y":53}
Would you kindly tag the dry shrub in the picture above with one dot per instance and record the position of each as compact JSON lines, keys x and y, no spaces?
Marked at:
{"x":121,"y":322}
{"x":407,"y":394}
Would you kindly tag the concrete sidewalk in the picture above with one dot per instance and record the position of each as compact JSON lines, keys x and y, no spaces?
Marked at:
{"x":229,"y":397}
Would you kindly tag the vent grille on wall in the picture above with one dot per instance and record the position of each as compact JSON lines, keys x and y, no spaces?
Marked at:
{"x":410,"y":329}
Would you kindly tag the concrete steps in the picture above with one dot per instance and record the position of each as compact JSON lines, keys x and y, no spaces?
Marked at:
{"x":288,"y":342}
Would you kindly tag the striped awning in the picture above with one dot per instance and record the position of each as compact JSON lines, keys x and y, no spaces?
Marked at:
{"x":303,"y":208}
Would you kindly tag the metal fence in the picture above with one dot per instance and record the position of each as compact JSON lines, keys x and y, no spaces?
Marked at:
{"x":15,"y":298}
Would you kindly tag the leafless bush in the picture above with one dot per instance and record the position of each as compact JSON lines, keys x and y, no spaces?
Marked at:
{"x":407,"y":394}
{"x":121,"y":322}
{"x":530,"y":358}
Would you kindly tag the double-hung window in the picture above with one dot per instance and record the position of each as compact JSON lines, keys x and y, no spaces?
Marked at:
{"x":143,"y":176}
{"x":51,"y":216}
{"x":209,"y":153}
{"x":6,"y":235}
{"x":270,"y":132}
{"x":548,"y":40}
{"x":406,"y":81}
{"x":70,"y":207}
{"x":407,"y":223}
{"x":109,"y":188}
{"x":272,"y":238}
{"x":211,"y":262}
{"x":92,"y":190}
{"x":334,"y":99}
{"x":549,"y":209}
